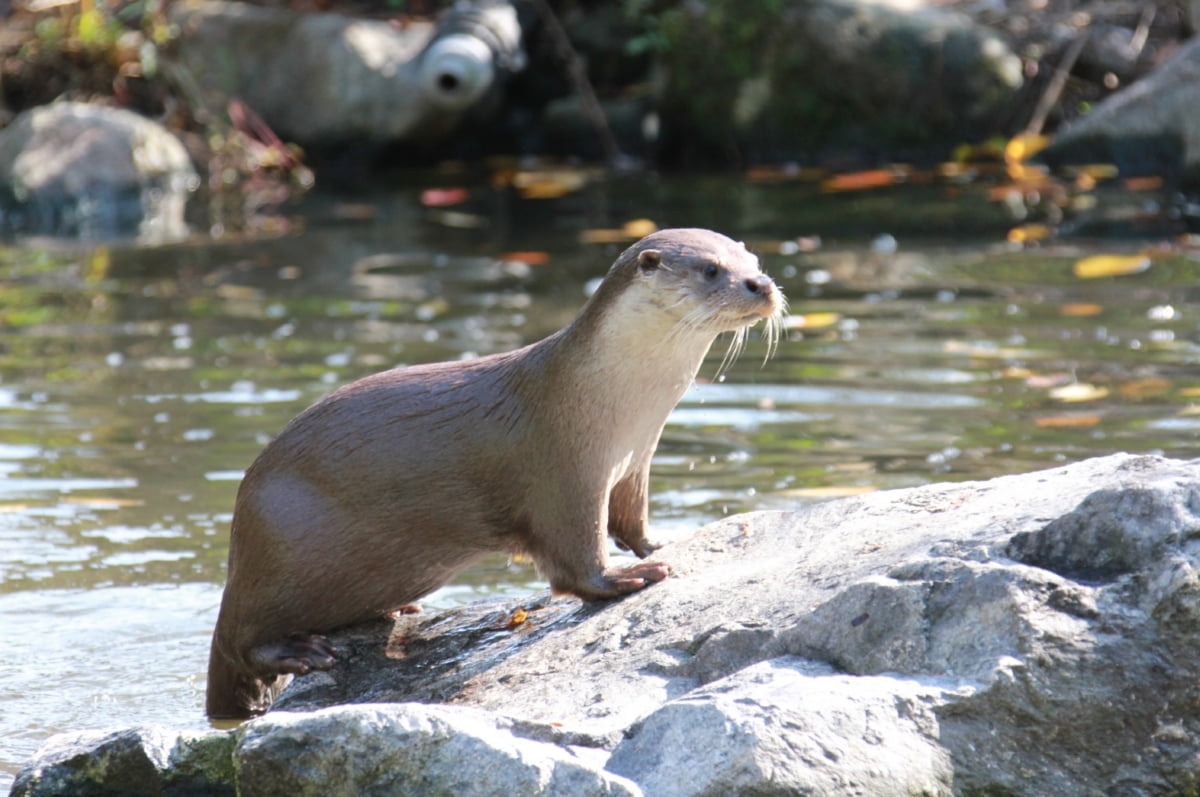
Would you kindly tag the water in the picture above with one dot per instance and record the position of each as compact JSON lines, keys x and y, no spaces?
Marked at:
{"x":136,"y":384}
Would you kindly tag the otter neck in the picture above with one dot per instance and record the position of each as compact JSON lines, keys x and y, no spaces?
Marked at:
{"x":623,"y":364}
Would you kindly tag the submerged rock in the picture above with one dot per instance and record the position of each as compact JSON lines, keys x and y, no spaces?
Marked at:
{"x":93,"y":172}
{"x":1028,"y":635}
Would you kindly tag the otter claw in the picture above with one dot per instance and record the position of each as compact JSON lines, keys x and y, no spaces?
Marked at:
{"x":298,"y":655}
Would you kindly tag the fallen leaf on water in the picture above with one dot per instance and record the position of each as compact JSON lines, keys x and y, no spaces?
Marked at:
{"x":1027,"y":233}
{"x":1143,"y":183}
{"x":1065,"y":421}
{"x":529,"y":258}
{"x":1078,"y":392}
{"x":1145,"y":388}
{"x":639,"y":228}
{"x":443,"y":197}
{"x":1099,"y":171}
{"x":1079,"y":310}
{"x":548,"y":184}
{"x":1022,"y":147}
{"x":630,"y":231}
{"x":100,"y":502}
{"x":811,"y":320}
{"x":832,"y":491}
{"x":860,"y":181}
{"x":1110,"y":265}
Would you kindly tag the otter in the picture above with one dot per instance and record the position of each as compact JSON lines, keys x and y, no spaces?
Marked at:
{"x":382,"y":491}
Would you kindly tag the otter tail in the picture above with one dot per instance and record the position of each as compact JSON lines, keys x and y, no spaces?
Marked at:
{"x":233,"y":692}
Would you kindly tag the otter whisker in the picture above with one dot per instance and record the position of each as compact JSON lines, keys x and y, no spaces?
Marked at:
{"x":736,"y":344}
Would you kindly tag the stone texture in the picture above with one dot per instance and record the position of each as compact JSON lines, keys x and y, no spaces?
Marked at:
{"x":787,"y":726}
{"x":95,"y":172}
{"x":1151,"y":127}
{"x":829,"y":76}
{"x":326,"y":79}
{"x":409,"y":749}
{"x":1029,"y":635}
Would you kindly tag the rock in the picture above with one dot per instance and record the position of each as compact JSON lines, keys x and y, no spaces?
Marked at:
{"x":146,"y":760}
{"x":408,"y":749}
{"x":830,"y":75}
{"x":324,"y":79}
{"x":1151,"y":127}
{"x":94,"y":172}
{"x":1028,"y":635}
{"x":798,"y":727}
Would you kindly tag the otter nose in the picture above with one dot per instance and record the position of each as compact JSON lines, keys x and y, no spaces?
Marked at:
{"x":760,"y":284}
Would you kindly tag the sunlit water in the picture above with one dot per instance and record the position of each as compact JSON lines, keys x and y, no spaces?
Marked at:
{"x":135,"y":385}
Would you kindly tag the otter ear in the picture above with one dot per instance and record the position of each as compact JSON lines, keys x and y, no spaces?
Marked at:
{"x":649,"y":259}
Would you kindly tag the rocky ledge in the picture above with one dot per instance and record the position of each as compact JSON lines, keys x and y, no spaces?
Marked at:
{"x":1029,"y":635}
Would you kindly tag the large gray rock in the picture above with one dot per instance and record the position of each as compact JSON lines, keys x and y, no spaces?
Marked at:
{"x":798,"y":727}
{"x":92,"y":171}
{"x":1151,"y":127}
{"x":330,"y":79}
{"x":131,"y":761}
{"x":1029,"y":635}
{"x":409,"y":749}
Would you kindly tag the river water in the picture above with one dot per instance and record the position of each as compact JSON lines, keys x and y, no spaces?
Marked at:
{"x":137,"y":383}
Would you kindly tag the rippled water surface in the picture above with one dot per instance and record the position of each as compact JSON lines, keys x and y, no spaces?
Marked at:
{"x":136,"y":385}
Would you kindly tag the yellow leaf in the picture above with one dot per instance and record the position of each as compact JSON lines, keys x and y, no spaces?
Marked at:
{"x":1077,"y":310}
{"x":1023,"y":147}
{"x":101,"y":502}
{"x":1110,"y":265}
{"x":548,"y":184}
{"x":1099,"y":171}
{"x":98,"y":265}
{"x":832,"y":491}
{"x":811,"y":320}
{"x":638,"y":228}
{"x":1029,"y":232}
{"x":1078,"y":392}
{"x":518,"y":616}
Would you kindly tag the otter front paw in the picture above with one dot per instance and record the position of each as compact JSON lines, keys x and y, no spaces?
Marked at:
{"x":617,"y":581}
{"x":300,"y":654}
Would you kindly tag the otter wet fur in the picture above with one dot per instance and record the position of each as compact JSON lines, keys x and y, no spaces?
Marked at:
{"x":385,"y":489}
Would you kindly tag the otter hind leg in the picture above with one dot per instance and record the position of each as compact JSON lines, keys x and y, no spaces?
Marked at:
{"x":299,"y":654}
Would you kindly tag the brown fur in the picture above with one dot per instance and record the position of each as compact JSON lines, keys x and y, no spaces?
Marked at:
{"x":386,"y":488}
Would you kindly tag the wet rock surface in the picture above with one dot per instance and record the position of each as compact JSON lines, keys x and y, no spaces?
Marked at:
{"x":1026,"y":635}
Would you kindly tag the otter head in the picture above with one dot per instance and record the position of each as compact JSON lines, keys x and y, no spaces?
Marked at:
{"x":701,"y":284}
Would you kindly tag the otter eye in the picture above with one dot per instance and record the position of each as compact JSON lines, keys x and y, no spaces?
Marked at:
{"x":710,"y":271}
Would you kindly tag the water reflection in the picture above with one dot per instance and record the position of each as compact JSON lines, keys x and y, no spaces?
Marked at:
{"x":135,"y":385}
